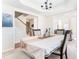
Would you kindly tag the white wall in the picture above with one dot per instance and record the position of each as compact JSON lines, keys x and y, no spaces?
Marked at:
{"x":8,"y":33}
{"x":20,"y":30}
{"x":73,"y":26}
{"x":36,"y":22}
{"x":8,"y":37}
{"x":13,"y":34}
{"x":68,"y":18}
{"x":45,"y":22}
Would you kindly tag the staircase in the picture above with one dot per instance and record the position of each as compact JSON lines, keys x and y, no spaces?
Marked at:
{"x":21,"y":17}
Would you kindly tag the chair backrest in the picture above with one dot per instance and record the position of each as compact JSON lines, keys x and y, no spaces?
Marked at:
{"x":59,"y":31}
{"x":36,"y":32}
{"x":65,"y":42}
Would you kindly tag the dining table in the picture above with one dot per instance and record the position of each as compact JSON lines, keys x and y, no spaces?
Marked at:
{"x":45,"y":45}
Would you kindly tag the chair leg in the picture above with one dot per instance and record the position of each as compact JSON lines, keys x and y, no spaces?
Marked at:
{"x":46,"y":57}
{"x":66,"y":54}
{"x":61,"y":56}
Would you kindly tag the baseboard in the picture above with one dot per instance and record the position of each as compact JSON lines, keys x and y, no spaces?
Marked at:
{"x":7,"y":50}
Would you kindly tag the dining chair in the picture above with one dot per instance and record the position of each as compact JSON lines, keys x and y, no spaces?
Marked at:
{"x":36,"y":32}
{"x":59,"y":31}
{"x":63,"y":47}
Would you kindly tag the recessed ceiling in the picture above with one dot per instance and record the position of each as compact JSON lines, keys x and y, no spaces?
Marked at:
{"x":59,"y":6}
{"x":36,"y":4}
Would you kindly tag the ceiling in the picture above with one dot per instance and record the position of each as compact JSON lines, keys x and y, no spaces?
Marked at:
{"x":59,"y":6}
{"x":36,"y":4}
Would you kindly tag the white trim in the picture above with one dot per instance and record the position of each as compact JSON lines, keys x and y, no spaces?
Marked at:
{"x":7,"y":50}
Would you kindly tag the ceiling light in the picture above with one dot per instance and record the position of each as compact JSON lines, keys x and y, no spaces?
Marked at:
{"x":46,"y":5}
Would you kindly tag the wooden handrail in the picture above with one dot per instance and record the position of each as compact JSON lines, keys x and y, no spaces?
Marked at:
{"x":21,"y":21}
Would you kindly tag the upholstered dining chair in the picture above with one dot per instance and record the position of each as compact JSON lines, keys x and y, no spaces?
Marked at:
{"x":36,"y":32}
{"x":63,"y":48}
{"x":59,"y":31}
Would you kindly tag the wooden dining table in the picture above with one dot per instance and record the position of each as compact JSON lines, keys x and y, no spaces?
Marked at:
{"x":46,"y":45}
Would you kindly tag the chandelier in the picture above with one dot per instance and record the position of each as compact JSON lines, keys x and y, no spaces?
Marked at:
{"x":46,"y":5}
